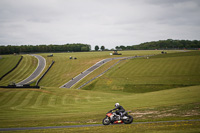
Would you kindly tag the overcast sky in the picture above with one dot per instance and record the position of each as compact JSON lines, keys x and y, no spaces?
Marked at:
{"x":97,"y":22}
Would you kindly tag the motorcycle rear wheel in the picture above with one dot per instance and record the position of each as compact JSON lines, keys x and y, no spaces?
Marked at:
{"x":129,"y":120}
{"x":106,"y":121}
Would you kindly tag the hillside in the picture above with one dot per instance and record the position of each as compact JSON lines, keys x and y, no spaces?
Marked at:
{"x":65,"y":69}
{"x":156,"y":73}
{"x":58,"y":106}
{"x":26,"y":67}
{"x":161,"y":88}
{"x":164,"y":44}
{"x":9,"y":62}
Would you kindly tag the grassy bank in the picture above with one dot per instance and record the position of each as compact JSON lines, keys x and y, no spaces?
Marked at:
{"x":7,"y":63}
{"x":65,"y":69}
{"x":24,"y":70}
{"x":163,"y":87}
{"x":54,"y":106}
{"x":174,"y":127}
{"x":156,"y":73}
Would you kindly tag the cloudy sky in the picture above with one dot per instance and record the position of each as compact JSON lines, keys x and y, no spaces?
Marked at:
{"x":97,"y":22}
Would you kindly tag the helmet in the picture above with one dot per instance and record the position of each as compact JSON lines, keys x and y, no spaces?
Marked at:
{"x":116,"y":104}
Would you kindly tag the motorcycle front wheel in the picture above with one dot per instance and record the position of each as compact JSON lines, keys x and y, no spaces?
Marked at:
{"x":129,"y":120}
{"x":106,"y":121}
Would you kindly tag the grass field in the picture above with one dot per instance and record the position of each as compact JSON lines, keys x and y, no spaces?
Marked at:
{"x":163,"y":87}
{"x":53,"y":106}
{"x":7,"y":63}
{"x":175,"y":127}
{"x":24,"y":70}
{"x":157,"y":73}
{"x":65,"y":69}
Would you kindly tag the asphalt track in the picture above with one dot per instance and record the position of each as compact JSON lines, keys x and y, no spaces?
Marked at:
{"x":76,"y":79}
{"x":36,"y":73}
{"x":92,"y":125}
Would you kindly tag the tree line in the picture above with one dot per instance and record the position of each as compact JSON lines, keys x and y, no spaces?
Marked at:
{"x":78,"y":47}
{"x":163,"y":44}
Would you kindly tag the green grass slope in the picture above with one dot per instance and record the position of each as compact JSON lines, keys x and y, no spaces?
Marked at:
{"x":167,"y":127}
{"x":164,"y":87}
{"x":7,"y":63}
{"x":53,"y":106}
{"x":65,"y":69}
{"x":156,"y":73}
{"x":24,"y":70}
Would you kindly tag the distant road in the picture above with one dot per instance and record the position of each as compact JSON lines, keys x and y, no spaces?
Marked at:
{"x":88,"y":71}
{"x":92,"y":125}
{"x":36,"y":73}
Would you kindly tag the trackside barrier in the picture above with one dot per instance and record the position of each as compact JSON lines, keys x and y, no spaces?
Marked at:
{"x":19,"y":86}
{"x":12,"y":68}
{"x":44,"y":73}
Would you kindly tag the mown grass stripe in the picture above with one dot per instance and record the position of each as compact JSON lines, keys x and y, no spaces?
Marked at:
{"x":52,"y":101}
{"x":17,"y":97}
{"x":7,"y":63}
{"x":14,"y":67}
{"x":20,"y":99}
{"x":68,"y":99}
{"x":22,"y":66}
{"x":42,"y":100}
{"x":25,"y":68}
{"x":38,"y":101}
{"x":5,"y":96}
{"x":26,"y":101}
{"x":45,"y":100}
{"x":33,"y":99}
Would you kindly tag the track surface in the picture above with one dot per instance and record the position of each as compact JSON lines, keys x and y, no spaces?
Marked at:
{"x":88,"y":71}
{"x":93,"y":125}
{"x":91,"y":69}
{"x":36,"y":73}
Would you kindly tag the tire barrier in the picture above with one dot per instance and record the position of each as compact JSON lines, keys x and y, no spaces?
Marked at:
{"x":16,"y":86}
{"x":12,"y":68}
{"x":38,"y":81}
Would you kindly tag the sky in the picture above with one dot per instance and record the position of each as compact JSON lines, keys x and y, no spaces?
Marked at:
{"x":108,"y":23}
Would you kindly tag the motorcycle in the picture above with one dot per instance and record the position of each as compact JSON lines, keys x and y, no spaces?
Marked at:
{"x":113,"y":118}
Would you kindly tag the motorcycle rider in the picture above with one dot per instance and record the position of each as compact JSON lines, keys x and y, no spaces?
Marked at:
{"x":119,"y":109}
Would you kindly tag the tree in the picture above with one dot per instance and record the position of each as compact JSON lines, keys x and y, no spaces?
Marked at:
{"x":102,"y":48}
{"x":84,"y":48}
{"x":96,"y":48}
{"x":122,"y":47}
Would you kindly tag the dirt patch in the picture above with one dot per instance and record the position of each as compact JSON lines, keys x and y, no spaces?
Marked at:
{"x":143,"y":113}
{"x":186,"y":110}
{"x":71,"y":122}
{"x":91,"y":121}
